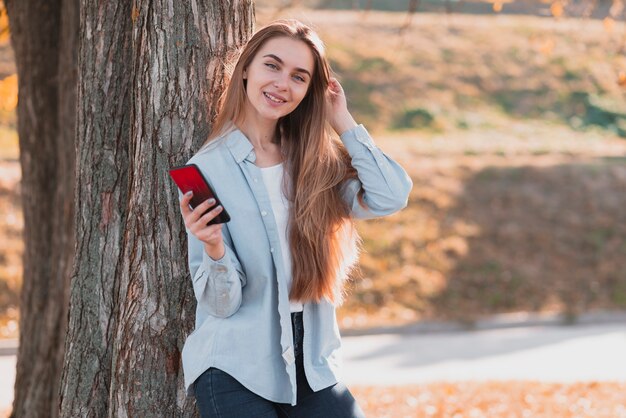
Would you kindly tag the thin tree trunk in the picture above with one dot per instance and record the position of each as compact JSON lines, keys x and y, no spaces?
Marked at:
{"x":43,"y":35}
{"x":149,"y":80}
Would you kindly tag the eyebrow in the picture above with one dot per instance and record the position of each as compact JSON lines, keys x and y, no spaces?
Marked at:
{"x":300,"y":70}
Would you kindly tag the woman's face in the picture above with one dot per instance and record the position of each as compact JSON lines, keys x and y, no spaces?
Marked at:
{"x":278,"y":78}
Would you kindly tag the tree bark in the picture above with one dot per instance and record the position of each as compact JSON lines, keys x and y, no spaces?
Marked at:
{"x":150,"y":77}
{"x":43,"y":35}
{"x":103,"y":123}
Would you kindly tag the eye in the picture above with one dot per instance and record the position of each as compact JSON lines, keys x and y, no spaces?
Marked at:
{"x":299,"y":78}
{"x":272,"y":66}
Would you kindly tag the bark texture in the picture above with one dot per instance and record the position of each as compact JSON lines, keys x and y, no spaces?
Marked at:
{"x":150,"y":76}
{"x":103,"y":124}
{"x":44,"y":35}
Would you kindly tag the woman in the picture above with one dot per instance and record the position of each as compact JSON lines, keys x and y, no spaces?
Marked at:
{"x":266,"y":342}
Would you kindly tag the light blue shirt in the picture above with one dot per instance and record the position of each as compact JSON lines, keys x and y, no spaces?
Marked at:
{"x":243,"y":319}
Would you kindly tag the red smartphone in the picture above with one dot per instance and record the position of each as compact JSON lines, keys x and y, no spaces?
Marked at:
{"x":189,"y":177}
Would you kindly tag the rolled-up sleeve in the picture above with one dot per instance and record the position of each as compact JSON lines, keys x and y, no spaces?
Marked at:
{"x":386,"y":185}
{"x":217,"y":284}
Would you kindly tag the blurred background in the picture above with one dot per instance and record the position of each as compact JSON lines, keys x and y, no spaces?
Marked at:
{"x":511,"y":120}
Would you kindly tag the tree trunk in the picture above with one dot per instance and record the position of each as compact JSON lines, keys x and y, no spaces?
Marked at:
{"x":44,"y":35}
{"x":150,"y":77}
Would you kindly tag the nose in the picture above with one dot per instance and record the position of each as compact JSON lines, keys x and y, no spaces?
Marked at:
{"x":280,"y":82}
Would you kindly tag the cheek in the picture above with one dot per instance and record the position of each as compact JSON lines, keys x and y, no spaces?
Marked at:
{"x":301,"y":93}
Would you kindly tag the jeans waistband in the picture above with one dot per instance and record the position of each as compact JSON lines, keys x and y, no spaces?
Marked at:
{"x":297,"y":327}
{"x":296,"y":316}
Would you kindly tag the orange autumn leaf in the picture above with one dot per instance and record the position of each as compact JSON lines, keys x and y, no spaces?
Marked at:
{"x":4,"y":26}
{"x":608,"y":23}
{"x":497,"y":7}
{"x":8,"y":93}
{"x":556,"y":9}
{"x":621,"y":79}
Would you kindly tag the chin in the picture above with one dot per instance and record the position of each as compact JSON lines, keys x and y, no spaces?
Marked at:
{"x":275,"y":115}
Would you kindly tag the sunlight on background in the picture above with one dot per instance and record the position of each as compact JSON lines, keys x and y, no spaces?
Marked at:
{"x":510,"y":118}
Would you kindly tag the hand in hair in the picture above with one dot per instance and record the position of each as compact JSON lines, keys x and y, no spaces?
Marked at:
{"x":339,"y":117}
{"x":196,"y":223}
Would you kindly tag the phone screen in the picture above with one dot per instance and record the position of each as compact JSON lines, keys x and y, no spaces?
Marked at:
{"x":189,"y":177}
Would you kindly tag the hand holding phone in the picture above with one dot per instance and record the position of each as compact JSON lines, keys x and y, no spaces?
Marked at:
{"x":205,"y":220}
{"x":189,"y":178}
{"x":198,"y":223}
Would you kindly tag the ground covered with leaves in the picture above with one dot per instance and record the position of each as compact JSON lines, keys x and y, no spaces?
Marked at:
{"x":494,"y":400}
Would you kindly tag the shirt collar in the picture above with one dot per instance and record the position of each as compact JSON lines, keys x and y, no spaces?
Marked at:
{"x":240,"y":147}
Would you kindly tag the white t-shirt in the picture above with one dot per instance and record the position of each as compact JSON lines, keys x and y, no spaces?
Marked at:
{"x":273,"y":179}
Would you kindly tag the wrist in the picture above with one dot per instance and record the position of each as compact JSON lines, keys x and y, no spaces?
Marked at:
{"x":344,"y":124}
{"x":216,"y":252}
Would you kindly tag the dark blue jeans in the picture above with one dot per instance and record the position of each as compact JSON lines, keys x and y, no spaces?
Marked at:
{"x":219,"y":395}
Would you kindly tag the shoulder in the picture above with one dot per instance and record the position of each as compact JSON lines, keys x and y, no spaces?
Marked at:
{"x":215,"y":159}
{"x":212,"y":150}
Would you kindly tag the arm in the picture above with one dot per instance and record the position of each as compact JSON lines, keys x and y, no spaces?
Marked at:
{"x":385,"y":184}
{"x":217,"y":283}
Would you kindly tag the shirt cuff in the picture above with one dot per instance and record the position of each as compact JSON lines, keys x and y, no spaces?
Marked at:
{"x":220,"y":266}
{"x":356,"y":138}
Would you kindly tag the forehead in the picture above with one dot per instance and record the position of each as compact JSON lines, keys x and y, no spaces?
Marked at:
{"x":293,"y":52}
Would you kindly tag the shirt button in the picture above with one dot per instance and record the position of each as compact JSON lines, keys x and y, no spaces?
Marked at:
{"x":256,"y":180}
{"x":272,"y":249}
{"x":221,"y":269}
{"x":263,"y":213}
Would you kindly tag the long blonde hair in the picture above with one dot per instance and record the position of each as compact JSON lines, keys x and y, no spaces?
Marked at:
{"x":324,"y":244}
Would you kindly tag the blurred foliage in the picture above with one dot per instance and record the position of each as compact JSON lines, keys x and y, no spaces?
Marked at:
{"x":416,"y":118}
{"x":609,"y":10}
{"x":8,"y":93}
{"x":4,"y":23}
{"x":11,"y":241}
{"x":8,"y":78}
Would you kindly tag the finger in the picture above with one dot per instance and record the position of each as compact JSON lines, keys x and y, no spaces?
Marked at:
{"x":184,"y":202}
{"x":206,"y":218}
{"x":334,"y":83}
{"x":191,"y":216}
{"x":200,"y":209}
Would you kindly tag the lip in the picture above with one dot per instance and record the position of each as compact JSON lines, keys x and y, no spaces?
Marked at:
{"x":275,"y":95}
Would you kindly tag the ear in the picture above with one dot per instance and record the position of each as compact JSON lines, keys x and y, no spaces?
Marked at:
{"x":245,"y":74}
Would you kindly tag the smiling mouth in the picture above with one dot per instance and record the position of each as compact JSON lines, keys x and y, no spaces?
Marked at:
{"x":273,"y":98}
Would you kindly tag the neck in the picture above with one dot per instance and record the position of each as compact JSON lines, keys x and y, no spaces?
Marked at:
{"x":260,"y":132}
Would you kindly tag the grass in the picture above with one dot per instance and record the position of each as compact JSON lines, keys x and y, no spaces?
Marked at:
{"x":492,"y":231}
